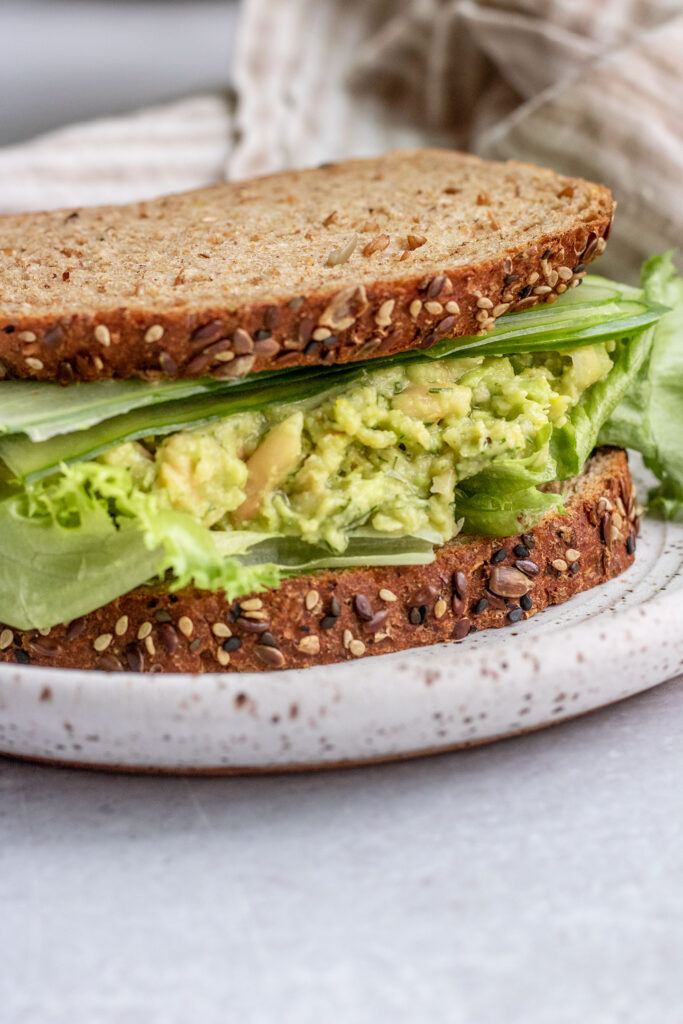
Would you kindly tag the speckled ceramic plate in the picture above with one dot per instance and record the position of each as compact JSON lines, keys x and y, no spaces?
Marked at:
{"x":600,"y":647}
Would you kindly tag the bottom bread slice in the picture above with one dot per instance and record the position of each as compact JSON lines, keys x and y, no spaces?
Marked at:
{"x":474,"y":583}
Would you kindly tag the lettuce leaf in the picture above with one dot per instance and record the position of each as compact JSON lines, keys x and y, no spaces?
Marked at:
{"x":75,"y":542}
{"x":649,"y":417}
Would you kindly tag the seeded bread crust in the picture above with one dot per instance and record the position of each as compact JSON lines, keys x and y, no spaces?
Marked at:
{"x":157,"y":290}
{"x":474,"y":583}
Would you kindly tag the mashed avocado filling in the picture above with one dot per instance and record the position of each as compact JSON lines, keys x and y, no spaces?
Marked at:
{"x":385,"y":453}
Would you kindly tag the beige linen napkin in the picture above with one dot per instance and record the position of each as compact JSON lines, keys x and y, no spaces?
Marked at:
{"x":594,"y":87}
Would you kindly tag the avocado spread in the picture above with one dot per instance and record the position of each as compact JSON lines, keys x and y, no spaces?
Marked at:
{"x":386,"y":451}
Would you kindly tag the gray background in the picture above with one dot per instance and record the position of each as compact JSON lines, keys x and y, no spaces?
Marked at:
{"x":68,"y":60}
{"x":535,"y":881}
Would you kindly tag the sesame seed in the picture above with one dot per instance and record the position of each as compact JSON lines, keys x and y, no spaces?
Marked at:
{"x":383,"y":317}
{"x":6,"y":639}
{"x":321,"y":333}
{"x":552,"y":278}
{"x":440,"y":608}
{"x":533,"y":278}
{"x":357,"y":648}
{"x":121,"y":625}
{"x":26,"y":336}
{"x":185,"y":625}
{"x":482,"y":316}
{"x":434,"y":307}
{"x":149,"y":644}
{"x":572,"y":555}
{"x":605,"y":505}
{"x":45,"y":631}
{"x":348,"y":637}
{"x":387,"y":595}
{"x":102,"y":335}
{"x":34,"y":364}
{"x":311,"y":600}
{"x":543,"y":289}
{"x":415,"y":307}
{"x":252,"y":604}
{"x":258,"y":616}
{"x":222,"y":657}
{"x":101,"y":642}
{"x":614,"y":533}
{"x":97,"y":363}
{"x":144,"y":630}
{"x":617,"y":520}
{"x":561,"y":288}
{"x":620,"y":505}
{"x":309,"y":645}
{"x":564,"y":273}
{"x":559,"y":564}
{"x":484,"y":303}
{"x":501,"y":308}
{"x":220,"y":629}
{"x":452,"y":307}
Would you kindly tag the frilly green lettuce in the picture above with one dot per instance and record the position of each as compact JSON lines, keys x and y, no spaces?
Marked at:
{"x":649,"y":417}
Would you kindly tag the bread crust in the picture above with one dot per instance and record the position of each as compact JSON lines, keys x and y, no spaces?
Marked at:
{"x":341,"y":615}
{"x":323,"y":325}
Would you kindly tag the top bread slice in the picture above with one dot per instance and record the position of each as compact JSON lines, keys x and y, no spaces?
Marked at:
{"x":342,"y":262}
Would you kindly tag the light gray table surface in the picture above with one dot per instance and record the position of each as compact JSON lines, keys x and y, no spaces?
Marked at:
{"x":534,"y":881}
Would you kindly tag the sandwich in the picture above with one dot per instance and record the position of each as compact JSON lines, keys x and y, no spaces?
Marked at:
{"x":322,"y":415}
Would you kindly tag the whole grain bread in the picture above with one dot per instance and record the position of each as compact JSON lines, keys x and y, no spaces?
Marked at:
{"x":473,"y":584}
{"x":343,"y":262}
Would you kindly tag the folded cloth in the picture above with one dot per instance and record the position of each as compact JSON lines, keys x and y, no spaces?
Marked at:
{"x":594,"y":89}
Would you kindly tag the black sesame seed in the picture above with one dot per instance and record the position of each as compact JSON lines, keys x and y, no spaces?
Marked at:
{"x":329,"y":621}
{"x":578,"y":267}
{"x":525,"y":292}
{"x":574,"y":568}
{"x":312,"y":348}
{"x":235,"y":613}
{"x":332,"y":340}
{"x":335,"y":607}
{"x":233,"y":643}
{"x":630,"y":544}
{"x":268,"y":640}
{"x":262,"y":334}
{"x":510,"y":279}
{"x":529,"y":540}
{"x":195,"y":645}
{"x":161,"y":615}
{"x":499,"y":556}
{"x":417,"y":615}
{"x":21,"y":656}
{"x":481,"y":606}
{"x":515,"y":614}
{"x":173,"y":598}
{"x":547,"y":254}
{"x":526,"y":602}
{"x":472,"y":629}
{"x":521,"y":551}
